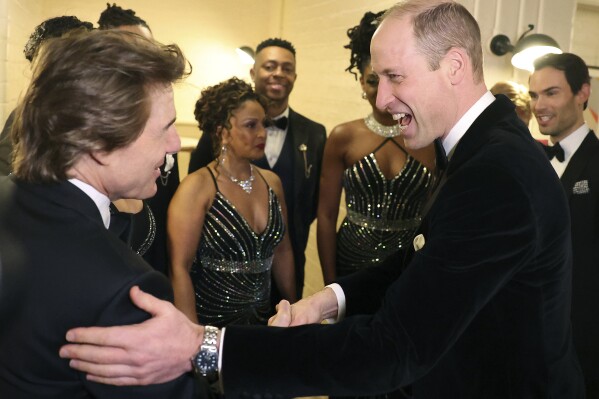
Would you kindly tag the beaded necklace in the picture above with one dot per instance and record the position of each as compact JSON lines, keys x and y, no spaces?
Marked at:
{"x":246,"y":185}
{"x":381,"y":130}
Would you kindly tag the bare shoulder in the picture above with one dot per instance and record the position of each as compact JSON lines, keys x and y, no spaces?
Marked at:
{"x":271,"y":178}
{"x":198,"y":184}
{"x":346,"y":131}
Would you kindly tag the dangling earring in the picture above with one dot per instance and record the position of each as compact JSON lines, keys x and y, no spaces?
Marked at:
{"x":364,"y":96}
{"x":223,"y":153}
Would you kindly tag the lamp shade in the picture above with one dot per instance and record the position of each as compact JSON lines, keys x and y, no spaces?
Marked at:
{"x":531,"y":47}
{"x":246,"y":54}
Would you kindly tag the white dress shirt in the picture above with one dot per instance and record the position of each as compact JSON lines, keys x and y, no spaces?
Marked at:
{"x":460,"y":128}
{"x":569,"y":144}
{"x":101,"y":200}
{"x":275,"y":138}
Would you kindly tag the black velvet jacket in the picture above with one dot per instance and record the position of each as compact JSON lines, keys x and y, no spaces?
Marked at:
{"x":481,"y":311}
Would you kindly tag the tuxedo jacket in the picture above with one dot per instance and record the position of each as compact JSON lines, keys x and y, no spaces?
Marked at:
{"x":481,"y":311}
{"x":581,"y":183}
{"x":157,"y":254}
{"x":76,"y":273}
{"x":303,"y":132}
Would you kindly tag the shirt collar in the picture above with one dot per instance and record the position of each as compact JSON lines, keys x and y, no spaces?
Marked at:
{"x":571,"y":143}
{"x":460,"y":128}
{"x":282,"y":114}
{"x":101,"y":200}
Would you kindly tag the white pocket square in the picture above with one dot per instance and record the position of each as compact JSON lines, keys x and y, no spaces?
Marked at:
{"x":581,"y":187}
{"x":419,"y":242}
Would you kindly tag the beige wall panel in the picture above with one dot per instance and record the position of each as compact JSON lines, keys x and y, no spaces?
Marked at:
{"x":208,"y":31}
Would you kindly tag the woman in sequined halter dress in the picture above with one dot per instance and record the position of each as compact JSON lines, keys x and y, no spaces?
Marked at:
{"x":226,"y":222}
{"x":385,"y":184}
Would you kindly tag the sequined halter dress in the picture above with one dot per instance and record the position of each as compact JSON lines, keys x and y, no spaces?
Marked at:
{"x":382,"y":214}
{"x":231,"y":273}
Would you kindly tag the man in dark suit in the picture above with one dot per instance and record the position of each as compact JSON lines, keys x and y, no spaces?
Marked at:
{"x":294,"y":147}
{"x":560,"y":89}
{"x":94,"y":126}
{"x":482,"y":309}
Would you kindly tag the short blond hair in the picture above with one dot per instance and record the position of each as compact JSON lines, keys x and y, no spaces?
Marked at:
{"x":439,"y":26}
{"x":516,"y":92}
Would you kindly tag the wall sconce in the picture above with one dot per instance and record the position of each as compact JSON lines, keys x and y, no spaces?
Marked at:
{"x":527,"y":49}
{"x":246,"y":54}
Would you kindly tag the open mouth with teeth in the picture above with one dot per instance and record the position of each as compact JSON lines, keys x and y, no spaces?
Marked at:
{"x":403,"y":120}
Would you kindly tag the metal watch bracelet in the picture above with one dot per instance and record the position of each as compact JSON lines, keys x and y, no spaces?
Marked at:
{"x":205,"y":362}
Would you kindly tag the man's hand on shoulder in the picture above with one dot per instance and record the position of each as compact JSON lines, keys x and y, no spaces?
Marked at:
{"x":155,"y":351}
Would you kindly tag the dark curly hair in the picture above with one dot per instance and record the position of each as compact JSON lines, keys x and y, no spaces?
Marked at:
{"x":114,"y":16}
{"x":277,"y":43}
{"x":359,"y":42}
{"x":53,"y":27}
{"x":217,"y":103}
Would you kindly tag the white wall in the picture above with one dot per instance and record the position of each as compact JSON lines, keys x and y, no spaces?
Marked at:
{"x":317,"y":28}
{"x":209,"y":30}
{"x":14,"y":32}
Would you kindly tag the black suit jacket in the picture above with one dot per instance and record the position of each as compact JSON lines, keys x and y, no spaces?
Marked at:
{"x":303,"y":132}
{"x":77,"y":274}
{"x":581,"y":182}
{"x":481,"y":311}
{"x":6,"y":146}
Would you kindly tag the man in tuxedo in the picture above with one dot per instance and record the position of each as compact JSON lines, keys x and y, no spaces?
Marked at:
{"x":482,"y":309}
{"x":94,"y":126}
{"x":560,"y":89}
{"x":294,"y":147}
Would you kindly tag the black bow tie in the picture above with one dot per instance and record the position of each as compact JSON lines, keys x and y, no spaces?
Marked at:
{"x":440,"y":156}
{"x":555,"y":151}
{"x":280,"y":123}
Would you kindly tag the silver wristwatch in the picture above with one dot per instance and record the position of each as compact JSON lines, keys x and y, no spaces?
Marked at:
{"x":205,"y":362}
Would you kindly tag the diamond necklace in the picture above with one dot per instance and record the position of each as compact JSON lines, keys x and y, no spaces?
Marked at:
{"x":381,"y":130}
{"x":246,"y":185}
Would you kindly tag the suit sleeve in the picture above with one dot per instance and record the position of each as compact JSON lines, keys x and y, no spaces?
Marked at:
{"x":202,"y":155}
{"x":122,"y":311}
{"x":321,"y":137}
{"x":481,"y":231}
{"x":359,"y":297}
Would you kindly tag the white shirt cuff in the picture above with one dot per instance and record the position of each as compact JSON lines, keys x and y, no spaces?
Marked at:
{"x":220,"y":354}
{"x":340,"y":302}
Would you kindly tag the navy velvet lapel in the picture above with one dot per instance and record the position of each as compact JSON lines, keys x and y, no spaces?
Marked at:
{"x":579,"y":161}
{"x":475,"y":137}
{"x":478,"y":134}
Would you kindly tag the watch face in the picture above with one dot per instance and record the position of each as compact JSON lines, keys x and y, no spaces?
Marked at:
{"x":205,"y":362}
